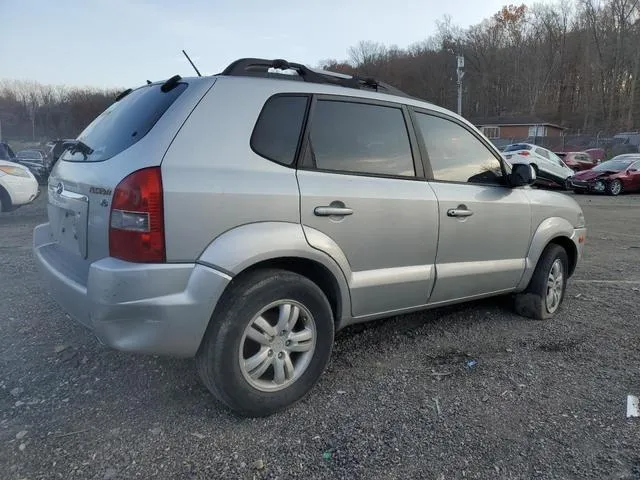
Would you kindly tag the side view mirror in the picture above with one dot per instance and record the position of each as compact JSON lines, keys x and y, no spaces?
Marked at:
{"x":522,"y":174}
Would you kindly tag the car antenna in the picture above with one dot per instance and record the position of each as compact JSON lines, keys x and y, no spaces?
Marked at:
{"x":194,"y":67}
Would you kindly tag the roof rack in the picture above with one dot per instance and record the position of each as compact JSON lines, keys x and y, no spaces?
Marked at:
{"x":259,"y":67}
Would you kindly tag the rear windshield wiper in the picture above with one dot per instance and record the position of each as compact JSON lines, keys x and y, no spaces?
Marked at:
{"x":80,"y":146}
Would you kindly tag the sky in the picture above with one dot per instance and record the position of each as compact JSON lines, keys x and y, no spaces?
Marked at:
{"x":122,"y":43}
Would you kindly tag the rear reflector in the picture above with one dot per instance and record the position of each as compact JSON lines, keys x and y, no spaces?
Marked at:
{"x":136,"y":229}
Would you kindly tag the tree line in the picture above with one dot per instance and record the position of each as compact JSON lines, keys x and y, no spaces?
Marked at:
{"x":30,"y":111}
{"x":575,"y":63}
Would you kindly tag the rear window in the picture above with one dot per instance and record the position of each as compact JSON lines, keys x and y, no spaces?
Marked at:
{"x":125,"y":122}
{"x":517,"y":146}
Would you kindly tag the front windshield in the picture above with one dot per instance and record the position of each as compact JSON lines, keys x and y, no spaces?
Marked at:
{"x":614,"y":165}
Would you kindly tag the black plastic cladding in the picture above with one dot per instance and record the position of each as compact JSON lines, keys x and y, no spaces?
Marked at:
{"x":258,"y":67}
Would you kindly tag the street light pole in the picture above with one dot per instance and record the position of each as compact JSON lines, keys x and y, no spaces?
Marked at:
{"x":460,"y":71}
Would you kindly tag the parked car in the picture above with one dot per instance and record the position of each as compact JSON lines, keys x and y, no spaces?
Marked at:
{"x":6,"y":153}
{"x":550,"y":169}
{"x":578,"y":161}
{"x":36,"y":161}
{"x":598,"y":154}
{"x":620,"y":174}
{"x":57,"y":147}
{"x":18,"y":186}
{"x":272,"y":210}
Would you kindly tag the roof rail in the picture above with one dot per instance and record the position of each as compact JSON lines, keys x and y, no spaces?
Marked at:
{"x":259,"y":67}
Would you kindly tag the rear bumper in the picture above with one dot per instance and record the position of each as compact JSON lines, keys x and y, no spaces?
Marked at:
{"x":161,"y":309}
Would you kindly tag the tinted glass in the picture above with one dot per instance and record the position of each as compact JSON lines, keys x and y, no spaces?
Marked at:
{"x":125,"y":122}
{"x":356,"y":137}
{"x":455,"y":154}
{"x":277,"y":132}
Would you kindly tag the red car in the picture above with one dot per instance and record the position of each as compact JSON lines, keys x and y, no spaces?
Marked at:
{"x":620,"y":174}
{"x":579,"y":161}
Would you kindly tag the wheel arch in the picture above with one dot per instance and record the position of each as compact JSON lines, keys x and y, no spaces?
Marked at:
{"x":6,"y":203}
{"x":555,"y":230}
{"x":281,"y":245}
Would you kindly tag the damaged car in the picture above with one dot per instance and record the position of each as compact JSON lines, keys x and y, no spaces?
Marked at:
{"x":620,"y":174}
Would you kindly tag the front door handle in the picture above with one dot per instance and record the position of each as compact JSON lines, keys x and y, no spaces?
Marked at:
{"x":459,"y":212}
{"x":328,"y":211}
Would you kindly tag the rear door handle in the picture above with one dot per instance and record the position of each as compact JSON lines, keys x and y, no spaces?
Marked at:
{"x":459,"y":212}
{"x":328,"y":211}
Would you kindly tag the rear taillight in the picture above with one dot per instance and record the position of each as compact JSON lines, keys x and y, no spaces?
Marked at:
{"x":136,"y":227}
{"x":524,"y":153}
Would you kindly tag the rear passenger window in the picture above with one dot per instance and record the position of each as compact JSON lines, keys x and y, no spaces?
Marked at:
{"x":360,"y":138}
{"x":455,"y":154}
{"x":277,"y":132}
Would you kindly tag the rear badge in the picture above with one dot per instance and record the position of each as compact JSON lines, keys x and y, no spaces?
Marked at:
{"x":100,"y":190}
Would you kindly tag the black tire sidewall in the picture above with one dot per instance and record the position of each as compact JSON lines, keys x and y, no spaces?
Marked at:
{"x":538,"y":285}
{"x":223,"y":344}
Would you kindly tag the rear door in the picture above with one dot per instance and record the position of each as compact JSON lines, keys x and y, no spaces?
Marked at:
{"x":485,"y":226}
{"x":364,"y":200}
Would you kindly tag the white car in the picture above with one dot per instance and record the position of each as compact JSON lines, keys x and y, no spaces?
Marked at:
{"x":548,"y":166}
{"x":18,"y":186}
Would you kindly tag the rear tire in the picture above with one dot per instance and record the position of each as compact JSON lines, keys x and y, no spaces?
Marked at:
{"x":246,"y":360}
{"x":545,"y":292}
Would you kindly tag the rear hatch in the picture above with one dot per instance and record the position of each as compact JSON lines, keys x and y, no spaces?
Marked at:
{"x":133,"y":133}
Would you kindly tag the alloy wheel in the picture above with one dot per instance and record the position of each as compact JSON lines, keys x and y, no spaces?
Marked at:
{"x":555,"y":286}
{"x":277,"y":346}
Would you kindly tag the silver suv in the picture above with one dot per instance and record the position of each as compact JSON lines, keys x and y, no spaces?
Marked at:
{"x":243,"y":218}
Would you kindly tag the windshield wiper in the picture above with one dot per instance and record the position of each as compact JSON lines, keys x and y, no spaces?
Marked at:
{"x":80,"y":146}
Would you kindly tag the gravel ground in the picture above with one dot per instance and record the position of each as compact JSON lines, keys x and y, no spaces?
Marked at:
{"x":545,"y":400}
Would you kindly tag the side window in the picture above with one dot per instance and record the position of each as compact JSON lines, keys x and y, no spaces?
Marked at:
{"x":542,"y":153}
{"x":455,"y":154}
{"x":277,"y":131}
{"x":360,"y":138}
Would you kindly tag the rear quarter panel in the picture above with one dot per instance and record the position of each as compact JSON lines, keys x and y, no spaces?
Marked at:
{"x":213,"y":181}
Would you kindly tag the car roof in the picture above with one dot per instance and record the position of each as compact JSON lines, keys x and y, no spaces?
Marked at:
{"x":627,"y":156}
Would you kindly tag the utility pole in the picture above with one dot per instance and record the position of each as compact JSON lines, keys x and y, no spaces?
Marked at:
{"x":460,"y":71}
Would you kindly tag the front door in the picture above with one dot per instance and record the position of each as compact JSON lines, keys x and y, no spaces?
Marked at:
{"x":363,"y":202}
{"x":632,"y":181}
{"x":485,"y":226}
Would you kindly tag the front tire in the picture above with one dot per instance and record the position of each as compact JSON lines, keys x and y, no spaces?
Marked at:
{"x":614,"y":187}
{"x":545,"y":292}
{"x":268,"y":342}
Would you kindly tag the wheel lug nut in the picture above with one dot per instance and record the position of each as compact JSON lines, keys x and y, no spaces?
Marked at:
{"x":270,"y":353}
{"x":280,"y":355}
{"x":287,"y":343}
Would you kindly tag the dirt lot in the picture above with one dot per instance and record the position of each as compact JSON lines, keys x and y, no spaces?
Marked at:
{"x":545,"y":400}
